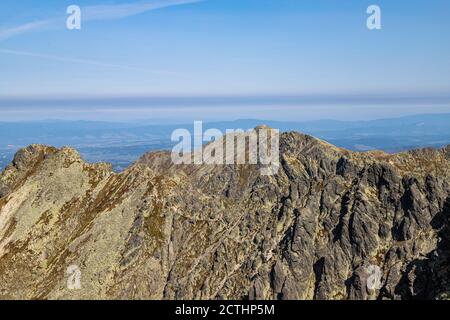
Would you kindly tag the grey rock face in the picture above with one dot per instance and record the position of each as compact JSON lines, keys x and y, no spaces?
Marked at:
{"x":315,"y":230}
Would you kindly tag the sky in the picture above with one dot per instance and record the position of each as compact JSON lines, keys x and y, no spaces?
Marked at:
{"x":185,"y":48}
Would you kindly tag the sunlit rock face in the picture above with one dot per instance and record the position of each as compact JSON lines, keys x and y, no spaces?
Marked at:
{"x":165,"y":231}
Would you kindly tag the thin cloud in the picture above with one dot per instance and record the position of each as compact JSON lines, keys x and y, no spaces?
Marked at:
{"x":31,"y":26}
{"x":85,"y":61}
{"x":106,"y":12}
{"x":94,"y":13}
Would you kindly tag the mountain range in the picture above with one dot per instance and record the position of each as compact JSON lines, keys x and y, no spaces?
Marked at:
{"x":317,"y":229}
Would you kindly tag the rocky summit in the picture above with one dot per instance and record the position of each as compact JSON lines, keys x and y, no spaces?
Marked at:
{"x":318,"y":229}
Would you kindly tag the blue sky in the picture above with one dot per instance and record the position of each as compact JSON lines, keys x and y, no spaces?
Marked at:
{"x":225,"y":47}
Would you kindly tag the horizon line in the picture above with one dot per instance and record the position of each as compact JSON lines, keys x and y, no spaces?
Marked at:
{"x":224,"y":99}
{"x":139,"y":122}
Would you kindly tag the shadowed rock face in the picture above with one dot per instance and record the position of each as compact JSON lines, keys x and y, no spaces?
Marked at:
{"x":162,"y":231}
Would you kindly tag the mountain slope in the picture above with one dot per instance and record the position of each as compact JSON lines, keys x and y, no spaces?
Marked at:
{"x":161,"y":231}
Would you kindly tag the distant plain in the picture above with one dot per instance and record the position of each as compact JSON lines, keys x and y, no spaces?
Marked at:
{"x":123,"y":143}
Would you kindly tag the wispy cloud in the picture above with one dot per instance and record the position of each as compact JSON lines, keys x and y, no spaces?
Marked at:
{"x":97,"y":12}
{"x":105,"y":12}
{"x":85,"y":62}
{"x":31,"y":26}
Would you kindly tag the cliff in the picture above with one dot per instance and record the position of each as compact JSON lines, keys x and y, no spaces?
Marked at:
{"x":165,"y":231}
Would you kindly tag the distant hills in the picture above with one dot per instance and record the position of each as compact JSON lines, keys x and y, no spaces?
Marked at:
{"x":123,"y":143}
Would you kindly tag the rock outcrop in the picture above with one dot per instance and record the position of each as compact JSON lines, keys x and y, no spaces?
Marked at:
{"x":315,"y":230}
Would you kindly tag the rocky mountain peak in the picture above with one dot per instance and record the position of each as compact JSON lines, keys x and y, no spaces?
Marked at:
{"x":315,"y":230}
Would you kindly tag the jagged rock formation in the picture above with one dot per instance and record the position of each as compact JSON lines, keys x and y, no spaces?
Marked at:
{"x":162,"y":231}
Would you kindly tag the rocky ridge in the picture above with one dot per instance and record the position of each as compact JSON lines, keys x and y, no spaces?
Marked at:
{"x":165,"y":231}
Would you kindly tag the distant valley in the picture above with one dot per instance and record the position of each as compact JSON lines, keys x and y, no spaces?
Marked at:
{"x":122,"y":143}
